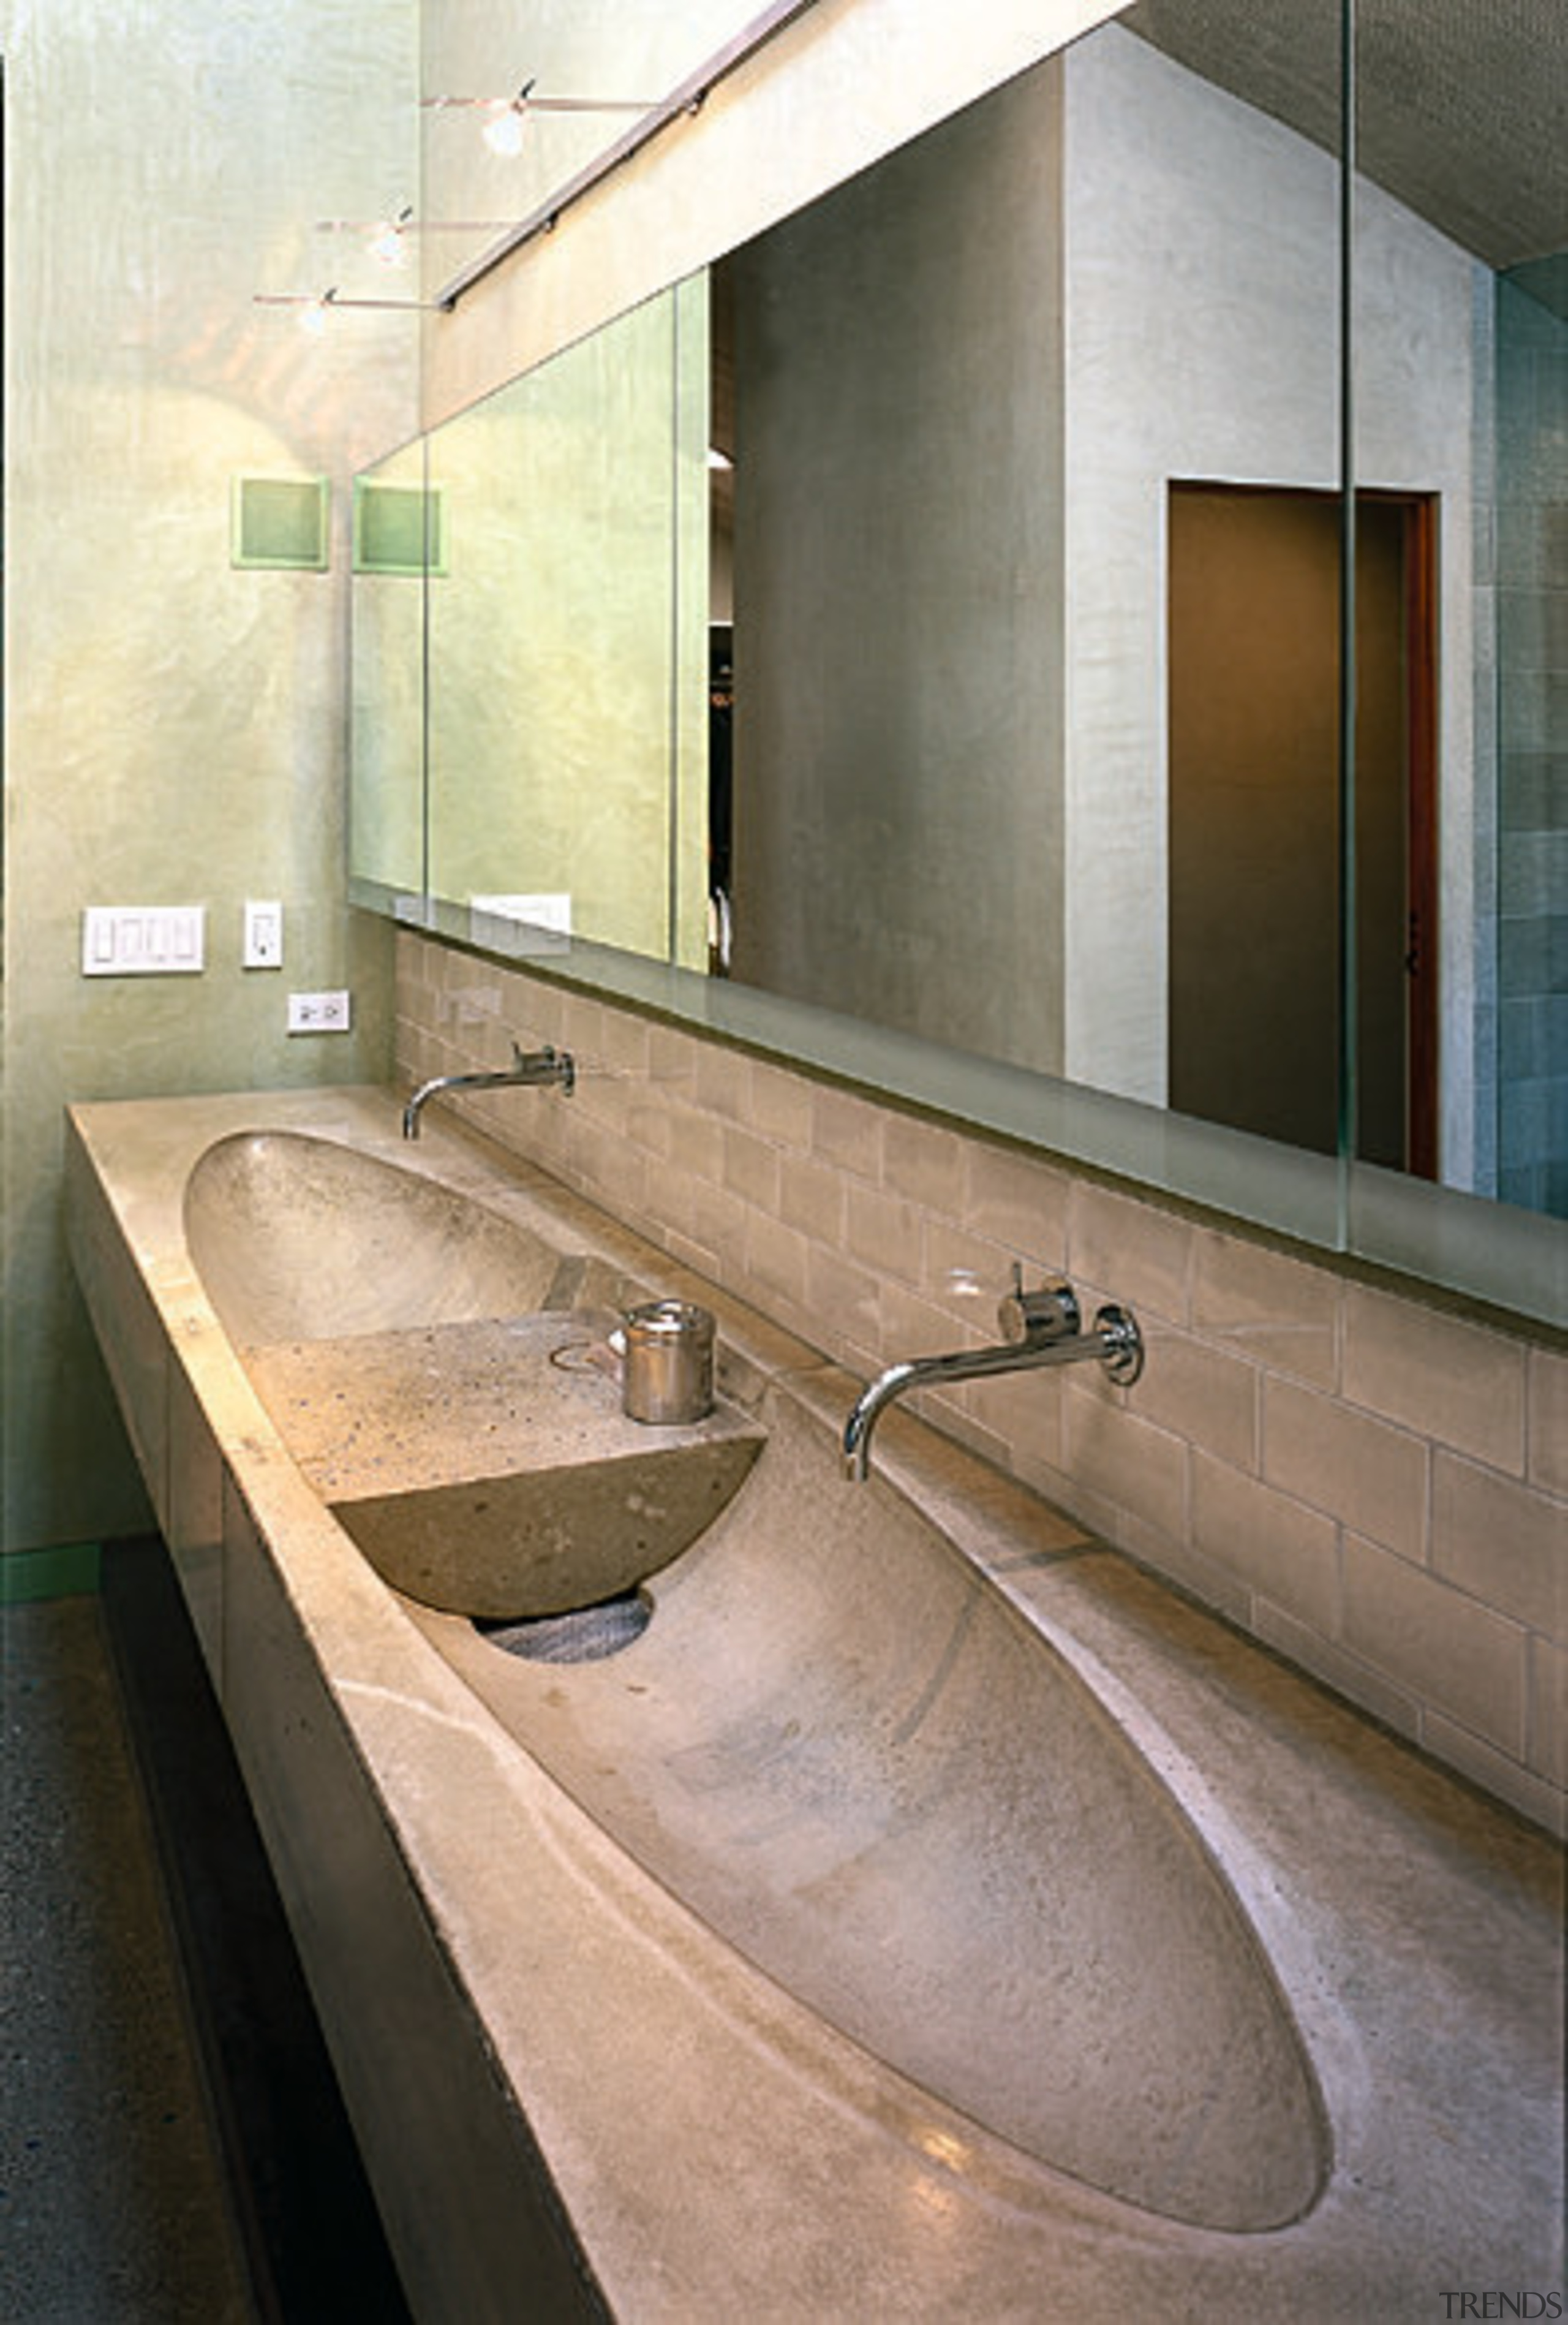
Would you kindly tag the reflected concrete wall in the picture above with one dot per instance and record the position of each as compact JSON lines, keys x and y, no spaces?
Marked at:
{"x":1203,"y":284}
{"x":899,"y":514}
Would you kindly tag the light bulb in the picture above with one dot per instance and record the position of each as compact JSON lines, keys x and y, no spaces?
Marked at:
{"x":389,"y":244}
{"x":503,"y":132}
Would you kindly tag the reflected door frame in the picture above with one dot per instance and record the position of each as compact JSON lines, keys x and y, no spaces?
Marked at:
{"x":1252,"y":594}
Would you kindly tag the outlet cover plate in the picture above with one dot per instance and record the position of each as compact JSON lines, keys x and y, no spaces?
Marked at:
{"x":319,"y":1013}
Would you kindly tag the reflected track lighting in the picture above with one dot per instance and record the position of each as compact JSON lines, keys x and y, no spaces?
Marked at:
{"x":503,"y":131}
{"x":387,"y":238}
{"x":315,"y":305}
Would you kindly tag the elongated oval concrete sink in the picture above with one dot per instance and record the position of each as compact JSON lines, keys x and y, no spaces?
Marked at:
{"x":837,"y":1744}
{"x":298,"y":1238}
{"x":429,"y":1365}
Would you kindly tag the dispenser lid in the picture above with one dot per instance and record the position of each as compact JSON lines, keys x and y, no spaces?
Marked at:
{"x":668,"y":1319}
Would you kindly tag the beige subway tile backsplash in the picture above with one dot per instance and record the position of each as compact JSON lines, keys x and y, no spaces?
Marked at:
{"x":1129,"y":1251}
{"x":671,"y":1062}
{"x":1330,"y":1661}
{"x":1373,"y":1485}
{"x":1118,"y":1454}
{"x":750,"y":1168}
{"x":846,"y":1131}
{"x":625,"y":1046}
{"x":715,"y":1227}
{"x":781,"y":1106}
{"x":1018,"y":1204}
{"x":697,"y":1144}
{"x":649,"y":1124}
{"x":623,"y":1175}
{"x":1267,"y":1306}
{"x":1201,"y":1393}
{"x":1547,"y":1420}
{"x":1493,"y":1538}
{"x":812,"y":1198}
{"x":1441,"y":1644}
{"x":777,"y":1266}
{"x":845,"y":1298}
{"x":1450,"y":1380}
{"x":967,"y":1275}
{"x":1497,"y":1771}
{"x":912,"y":1324}
{"x":922,"y":1163}
{"x":723,"y":1081}
{"x":1279,"y":1547}
{"x":1547,"y":1741}
{"x":1023,"y":1412}
{"x":884,"y":1233}
{"x":1371,"y":1474}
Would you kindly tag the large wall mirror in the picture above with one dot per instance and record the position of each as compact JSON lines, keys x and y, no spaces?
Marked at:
{"x":918,"y":641}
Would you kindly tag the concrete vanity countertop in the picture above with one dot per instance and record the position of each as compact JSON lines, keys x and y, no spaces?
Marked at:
{"x":573,"y":2096}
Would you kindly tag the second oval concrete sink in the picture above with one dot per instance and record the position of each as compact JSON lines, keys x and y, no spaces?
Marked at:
{"x":838,"y":1746}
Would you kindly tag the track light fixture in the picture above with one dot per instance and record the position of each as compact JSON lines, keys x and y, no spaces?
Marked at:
{"x":387,"y":238}
{"x":314,"y":306}
{"x":506,"y":116}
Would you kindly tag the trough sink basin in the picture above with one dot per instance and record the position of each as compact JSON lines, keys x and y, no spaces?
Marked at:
{"x":441,"y":1374}
{"x":298,"y":1238}
{"x":837,"y":1743}
{"x":830,"y":1736}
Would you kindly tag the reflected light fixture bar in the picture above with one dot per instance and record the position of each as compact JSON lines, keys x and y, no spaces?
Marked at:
{"x":315,"y":305}
{"x":502,"y":131}
{"x":687,"y":99}
{"x":388,"y":237}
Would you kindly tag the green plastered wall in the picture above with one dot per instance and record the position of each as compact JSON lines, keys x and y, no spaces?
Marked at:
{"x":174,"y":728}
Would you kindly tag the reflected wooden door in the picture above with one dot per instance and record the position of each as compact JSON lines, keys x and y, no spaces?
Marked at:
{"x":1254,"y":628}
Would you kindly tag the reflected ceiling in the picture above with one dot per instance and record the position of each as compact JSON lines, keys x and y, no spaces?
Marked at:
{"x":1461,"y":111}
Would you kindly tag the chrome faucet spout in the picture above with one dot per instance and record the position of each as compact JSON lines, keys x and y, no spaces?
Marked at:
{"x":1113,"y":1340}
{"x":529,"y":1068}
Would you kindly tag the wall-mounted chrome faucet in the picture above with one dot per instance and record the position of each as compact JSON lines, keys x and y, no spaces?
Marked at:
{"x":529,"y":1068}
{"x":1043,"y":1327}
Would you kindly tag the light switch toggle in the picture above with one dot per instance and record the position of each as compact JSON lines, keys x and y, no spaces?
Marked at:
{"x":263,"y":935}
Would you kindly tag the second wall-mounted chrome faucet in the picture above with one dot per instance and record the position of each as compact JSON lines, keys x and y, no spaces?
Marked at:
{"x":528,"y":1069}
{"x":1038,"y":1328}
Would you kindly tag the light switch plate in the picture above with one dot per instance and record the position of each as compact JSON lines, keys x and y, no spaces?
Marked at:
{"x":264,"y":935}
{"x":143,"y":939}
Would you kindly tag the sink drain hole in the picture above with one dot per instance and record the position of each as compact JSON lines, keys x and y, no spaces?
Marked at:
{"x":585,"y":1634}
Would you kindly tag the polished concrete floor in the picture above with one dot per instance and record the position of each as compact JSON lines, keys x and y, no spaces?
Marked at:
{"x":112,"y":2201}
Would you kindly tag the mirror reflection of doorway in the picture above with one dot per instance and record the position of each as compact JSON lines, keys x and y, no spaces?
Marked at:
{"x":1254,"y":594}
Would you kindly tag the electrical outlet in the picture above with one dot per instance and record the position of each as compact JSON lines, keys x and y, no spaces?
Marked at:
{"x":264,"y":935}
{"x":317,"y":1012}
